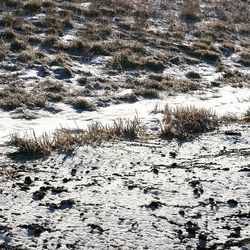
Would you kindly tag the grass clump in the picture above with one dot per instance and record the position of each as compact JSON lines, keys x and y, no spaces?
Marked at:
{"x":18,"y":45}
{"x":125,"y":59}
{"x":83,"y":104}
{"x":187,"y":122}
{"x":68,"y":140}
{"x":33,"y":5}
{"x":207,"y":55}
{"x":190,"y":10}
{"x":15,"y":97}
{"x":246,"y":116}
{"x":149,"y":93}
{"x":245,"y":57}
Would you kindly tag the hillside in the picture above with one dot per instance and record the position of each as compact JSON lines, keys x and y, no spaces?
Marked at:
{"x":124,"y":124}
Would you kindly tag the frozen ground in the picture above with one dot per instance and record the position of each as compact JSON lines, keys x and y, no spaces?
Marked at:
{"x":145,"y":194}
{"x":131,"y":195}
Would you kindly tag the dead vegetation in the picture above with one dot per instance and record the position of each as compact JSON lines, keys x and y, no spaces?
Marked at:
{"x":187,"y":122}
{"x":14,"y":97}
{"x":190,"y":10}
{"x":245,"y":57}
{"x":82,"y":104}
{"x":68,"y":140}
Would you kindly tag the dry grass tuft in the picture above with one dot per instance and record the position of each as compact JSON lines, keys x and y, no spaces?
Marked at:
{"x":15,"y":97}
{"x":125,"y":59}
{"x":245,"y":57}
{"x":190,"y":10}
{"x":83,"y":104}
{"x":33,"y":5}
{"x":187,"y":122}
{"x":68,"y":140}
{"x":246,"y":116}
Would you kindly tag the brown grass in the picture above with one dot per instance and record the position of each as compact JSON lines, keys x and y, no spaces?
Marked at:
{"x":190,"y":10}
{"x":187,"y":122}
{"x":125,"y":59}
{"x":14,"y":97}
{"x":83,"y":104}
{"x":246,"y":116}
{"x":33,"y":5}
{"x":245,"y":57}
{"x":68,"y":140}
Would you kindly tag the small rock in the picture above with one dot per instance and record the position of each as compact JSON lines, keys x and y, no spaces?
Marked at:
{"x":182,"y":213}
{"x":215,"y":84}
{"x":155,"y":171}
{"x":175,"y":60}
{"x":73,"y":172}
{"x":27,"y":180}
{"x":154,"y":205}
{"x":173,"y":154}
{"x":39,"y":195}
{"x":232,"y":133}
{"x":232,"y":203}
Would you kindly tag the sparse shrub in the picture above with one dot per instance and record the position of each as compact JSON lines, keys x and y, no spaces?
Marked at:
{"x":8,"y":34}
{"x":33,"y":5}
{"x":63,"y":72}
{"x":147,"y":93}
{"x":54,"y":91}
{"x":229,"y":45}
{"x":141,"y":16}
{"x":52,"y":86}
{"x":97,"y":31}
{"x":83,"y":104}
{"x":125,"y":59}
{"x":131,"y":97}
{"x":246,"y":116}
{"x":82,"y":80}
{"x":207,"y":55}
{"x":32,"y":145}
{"x":26,"y":56}
{"x":187,"y":122}
{"x":190,"y":10}
{"x":153,"y":65}
{"x":18,"y":45}
{"x":15,"y":97}
{"x":78,"y":46}
{"x":51,"y":41}
{"x":193,"y":75}
{"x":245,"y":57}
{"x":7,"y":19}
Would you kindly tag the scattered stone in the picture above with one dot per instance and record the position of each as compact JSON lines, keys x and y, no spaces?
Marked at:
{"x":38,"y":195}
{"x":154,"y":205}
{"x":175,"y":60}
{"x":191,"y":228}
{"x":182,"y":213}
{"x":232,"y":133}
{"x":27,"y":180}
{"x":193,"y":75}
{"x":173,"y":154}
{"x":232,"y":203}
{"x":155,"y":171}
{"x":73,"y":172}
{"x":95,"y":229}
{"x":215,"y":84}
{"x":58,"y":190}
{"x":66,"y":204}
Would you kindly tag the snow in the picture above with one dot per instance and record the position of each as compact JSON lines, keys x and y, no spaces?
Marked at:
{"x":222,"y":101}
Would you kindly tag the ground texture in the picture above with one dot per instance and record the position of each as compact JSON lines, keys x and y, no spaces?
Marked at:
{"x":131,"y":195}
